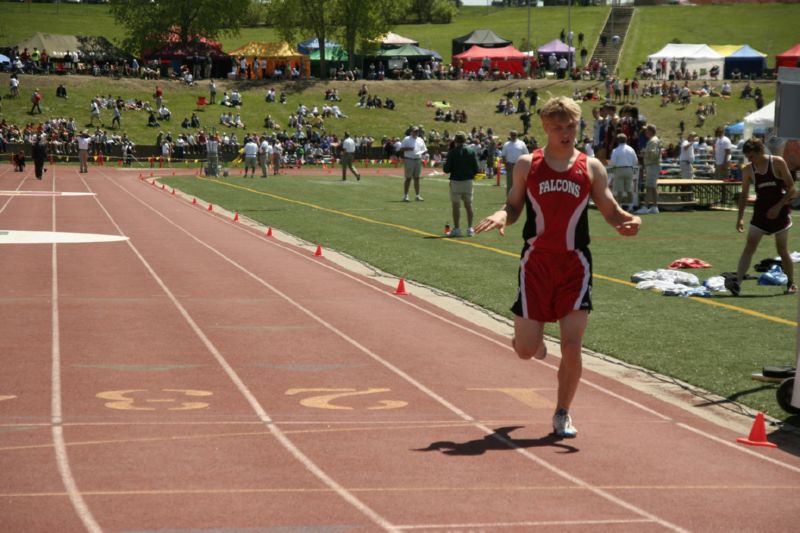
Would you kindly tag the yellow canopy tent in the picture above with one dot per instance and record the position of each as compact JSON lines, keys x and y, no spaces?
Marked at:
{"x":262,"y":59}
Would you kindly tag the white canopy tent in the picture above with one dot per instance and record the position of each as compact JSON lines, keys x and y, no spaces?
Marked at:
{"x":699,"y":57}
{"x":763,"y":118}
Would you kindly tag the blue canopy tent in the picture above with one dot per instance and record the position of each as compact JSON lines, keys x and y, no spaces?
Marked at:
{"x":749,"y":61}
{"x":737,"y":130}
{"x":309,"y":45}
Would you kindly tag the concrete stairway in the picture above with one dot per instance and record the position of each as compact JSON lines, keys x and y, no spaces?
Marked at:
{"x":617,"y":24}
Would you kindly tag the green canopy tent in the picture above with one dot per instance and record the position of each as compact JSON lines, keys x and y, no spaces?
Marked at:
{"x":395,"y":58}
{"x":333,"y":57}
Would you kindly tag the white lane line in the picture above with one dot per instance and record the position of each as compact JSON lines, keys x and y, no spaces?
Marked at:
{"x":21,"y":183}
{"x":536,"y":523}
{"x":53,"y":237}
{"x":245,"y":391}
{"x":59,"y":446}
{"x":387,"y":293}
{"x":533,"y":457}
{"x":740,"y":447}
{"x":18,"y":192}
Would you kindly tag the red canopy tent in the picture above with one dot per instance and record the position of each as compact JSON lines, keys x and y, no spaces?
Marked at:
{"x":505,"y":59}
{"x":790,"y":58}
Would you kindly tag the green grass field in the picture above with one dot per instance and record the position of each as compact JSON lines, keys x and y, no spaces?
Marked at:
{"x":711,"y":343}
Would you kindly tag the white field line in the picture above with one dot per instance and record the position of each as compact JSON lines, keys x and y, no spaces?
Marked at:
{"x":245,"y":391}
{"x":533,"y":457}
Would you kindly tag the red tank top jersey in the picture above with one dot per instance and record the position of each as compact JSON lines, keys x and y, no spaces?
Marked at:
{"x":769,"y":191}
{"x":556,"y":204}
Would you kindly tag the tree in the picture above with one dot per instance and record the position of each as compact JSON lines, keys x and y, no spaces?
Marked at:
{"x":149,"y":24}
{"x":353,"y":21}
{"x":297,"y":18}
{"x":437,"y":11}
{"x":360,"y":21}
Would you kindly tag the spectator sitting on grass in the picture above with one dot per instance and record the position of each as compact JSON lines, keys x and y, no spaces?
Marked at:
{"x":151,"y":120}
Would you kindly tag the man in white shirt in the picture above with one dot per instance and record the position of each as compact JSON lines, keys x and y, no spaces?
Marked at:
{"x":722,"y":154}
{"x":623,"y":162}
{"x":348,"y":151}
{"x":83,"y":151}
{"x":512,"y":150}
{"x":413,"y":148}
{"x":686,"y":159}
{"x":264,"y":154}
{"x":250,"y":156}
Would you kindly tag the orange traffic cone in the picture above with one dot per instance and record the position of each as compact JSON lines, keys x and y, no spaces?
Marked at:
{"x":401,"y":288}
{"x":269,"y":231}
{"x":141,"y":178}
{"x":163,"y":187}
{"x":173,"y":192}
{"x":758,"y":434}
{"x":318,"y":253}
{"x":194,"y":201}
{"x":210,"y":207}
{"x":236,"y":217}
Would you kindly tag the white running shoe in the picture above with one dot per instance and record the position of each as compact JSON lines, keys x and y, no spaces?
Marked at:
{"x":642,"y":211}
{"x":653,"y":210}
{"x":405,"y":198}
{"x":419,"y":198}
{"x":562,"y":425}
{"x":470,"y":232}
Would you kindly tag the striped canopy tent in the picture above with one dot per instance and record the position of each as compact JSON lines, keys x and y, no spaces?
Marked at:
{"x":263,"y":58}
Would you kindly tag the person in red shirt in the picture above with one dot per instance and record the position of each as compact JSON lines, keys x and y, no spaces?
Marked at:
{"x":553,"y":185}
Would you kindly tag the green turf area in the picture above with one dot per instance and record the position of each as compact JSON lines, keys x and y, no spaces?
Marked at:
{"x":712,"y":343}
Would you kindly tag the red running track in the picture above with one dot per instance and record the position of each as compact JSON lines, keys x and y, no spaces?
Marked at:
{"x":201,"y":376}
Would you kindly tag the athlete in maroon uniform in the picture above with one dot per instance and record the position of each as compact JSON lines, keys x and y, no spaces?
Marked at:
{"x":556,"y":237}
{"x":774,"y":190}
{"x":554,"y":186}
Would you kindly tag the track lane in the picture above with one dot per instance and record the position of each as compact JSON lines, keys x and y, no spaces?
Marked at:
{"x":446,"y":360}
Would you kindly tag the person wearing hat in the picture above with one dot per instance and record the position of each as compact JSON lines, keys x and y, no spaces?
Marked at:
{"x":83,"y":141}
{"x":413,"y":148}
{"x":348,"y":150}
{"x":462,"y":165}
{"x":512,"y":150}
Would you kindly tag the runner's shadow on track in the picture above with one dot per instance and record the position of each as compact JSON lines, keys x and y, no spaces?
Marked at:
{"x":500,"y":440}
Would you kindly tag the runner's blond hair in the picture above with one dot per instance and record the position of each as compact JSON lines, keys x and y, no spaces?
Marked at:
{"x":561,"y":108}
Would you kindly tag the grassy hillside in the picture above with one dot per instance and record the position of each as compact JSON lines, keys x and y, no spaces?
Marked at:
{"x":478,"y":99}
{"x":769,"y":28}
{"x":20,"y":20}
